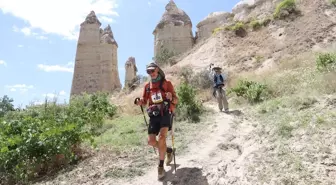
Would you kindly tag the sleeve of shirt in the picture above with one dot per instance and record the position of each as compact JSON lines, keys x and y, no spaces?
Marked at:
{"x":144,"y":94}
{"x":224,"y":76}
{"x":171,"y":89}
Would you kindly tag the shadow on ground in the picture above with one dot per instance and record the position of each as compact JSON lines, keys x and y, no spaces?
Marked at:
{"x":185,"y":176}
{"x":235,"y":112}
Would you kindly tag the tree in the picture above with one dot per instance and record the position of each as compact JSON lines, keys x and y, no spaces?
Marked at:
{"x":6,"y":105}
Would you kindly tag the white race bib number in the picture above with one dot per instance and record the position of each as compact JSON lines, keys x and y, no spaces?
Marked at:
{"x":157,"y":97}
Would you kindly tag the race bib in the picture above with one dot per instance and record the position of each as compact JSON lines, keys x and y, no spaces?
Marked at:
{"x":157,"y":97}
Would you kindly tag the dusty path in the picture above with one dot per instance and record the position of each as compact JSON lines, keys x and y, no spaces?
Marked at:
{"x":213,"y":160}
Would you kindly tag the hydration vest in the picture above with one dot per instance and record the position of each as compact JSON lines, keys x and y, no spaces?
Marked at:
{"x":218,"y":79}
{"x":157,"y":98}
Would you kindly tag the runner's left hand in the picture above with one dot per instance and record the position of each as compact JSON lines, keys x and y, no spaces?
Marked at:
{"x":169,"y":96}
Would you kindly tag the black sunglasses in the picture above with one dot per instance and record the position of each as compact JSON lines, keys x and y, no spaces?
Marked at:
{"x":150,"y":71}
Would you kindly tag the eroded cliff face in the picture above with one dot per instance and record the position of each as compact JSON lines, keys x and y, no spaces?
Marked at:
{"x":96,"y":63}
{"x":174,"y":31}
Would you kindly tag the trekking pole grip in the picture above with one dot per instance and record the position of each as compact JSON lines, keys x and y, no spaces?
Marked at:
{"x":136,"y":100}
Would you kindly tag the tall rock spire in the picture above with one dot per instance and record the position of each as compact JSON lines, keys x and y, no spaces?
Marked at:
{"x":96,"y":67}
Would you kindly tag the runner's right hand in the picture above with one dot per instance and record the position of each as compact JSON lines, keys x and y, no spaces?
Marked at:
{"x":138,"y":101}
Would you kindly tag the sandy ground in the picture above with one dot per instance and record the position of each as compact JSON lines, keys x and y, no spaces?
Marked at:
{"x":211,"y":160}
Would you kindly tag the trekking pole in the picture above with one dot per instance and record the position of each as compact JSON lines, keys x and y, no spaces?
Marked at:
{"x":172,"y":134}
{"x":143,"y":113}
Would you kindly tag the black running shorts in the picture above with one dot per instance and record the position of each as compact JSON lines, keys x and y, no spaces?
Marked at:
{"x":158,"y":122}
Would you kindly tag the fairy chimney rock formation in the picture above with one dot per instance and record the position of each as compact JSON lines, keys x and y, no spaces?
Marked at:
{"x":174,"y":31}
{"x":131,"y":70}
{"x":96,"y":65}
{"x":211,"y":22}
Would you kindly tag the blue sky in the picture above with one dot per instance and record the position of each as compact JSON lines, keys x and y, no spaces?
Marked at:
{"x":38,"y":39}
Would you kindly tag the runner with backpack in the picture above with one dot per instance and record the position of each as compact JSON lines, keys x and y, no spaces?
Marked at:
{"x":161,"y":98}
{"x":218,"y":91}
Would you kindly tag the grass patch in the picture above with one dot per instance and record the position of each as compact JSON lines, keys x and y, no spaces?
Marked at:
{"x":288,"y":6}
{"x":296,"y":95}
{"x":217,"y":30}
{"x":286,"y":114}
{"x":256,"y":25}
{"x":123,"y":133}
{"x":239,"y":25}
{"x":326,"y":62}
{"x":128,"y":172}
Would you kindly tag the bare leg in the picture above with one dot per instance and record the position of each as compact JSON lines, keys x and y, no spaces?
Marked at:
{"x":152,"y":140}
{"x":162,"y":142}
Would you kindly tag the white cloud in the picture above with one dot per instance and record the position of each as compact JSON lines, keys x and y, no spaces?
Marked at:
{"x":19,"y":87}
{"x":3,"y":63}
{"x":20,"y":46}
{"x":28,"y":32}
{"x":60,"y":17}
{"x":69,"y":67}
{"x":52,"y":96}
{"x":62,"y":93}
{"x":37,"y":102}
{"x":149,"y":3}
{"x":107,"y":19}
{"x":42,"y":37}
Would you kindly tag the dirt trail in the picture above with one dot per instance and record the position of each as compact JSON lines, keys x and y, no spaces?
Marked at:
{"x":213,"y":160}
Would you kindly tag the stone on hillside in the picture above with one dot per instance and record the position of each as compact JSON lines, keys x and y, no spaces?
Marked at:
{"x":174,"y":31}
{"x":253,"y":9}
{"x":212,"y":21}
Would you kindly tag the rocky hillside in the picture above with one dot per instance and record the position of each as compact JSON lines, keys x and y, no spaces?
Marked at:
{"x":267,"y":40}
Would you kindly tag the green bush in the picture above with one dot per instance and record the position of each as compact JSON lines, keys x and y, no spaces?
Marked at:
{"x":236,"y":27}
{"x":188,"y":107}
{"x":6,"y":105}
{"x":163,"y":58}
{"x":333,"y":2}
{"x":287,"y":5}
{"x":326,"y":62}
{"x":32,"y":140}
{"x":254,"y":92}
{"x":200,"y":80}
{"x":255,"y":24}
{"x":186,"y":73}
